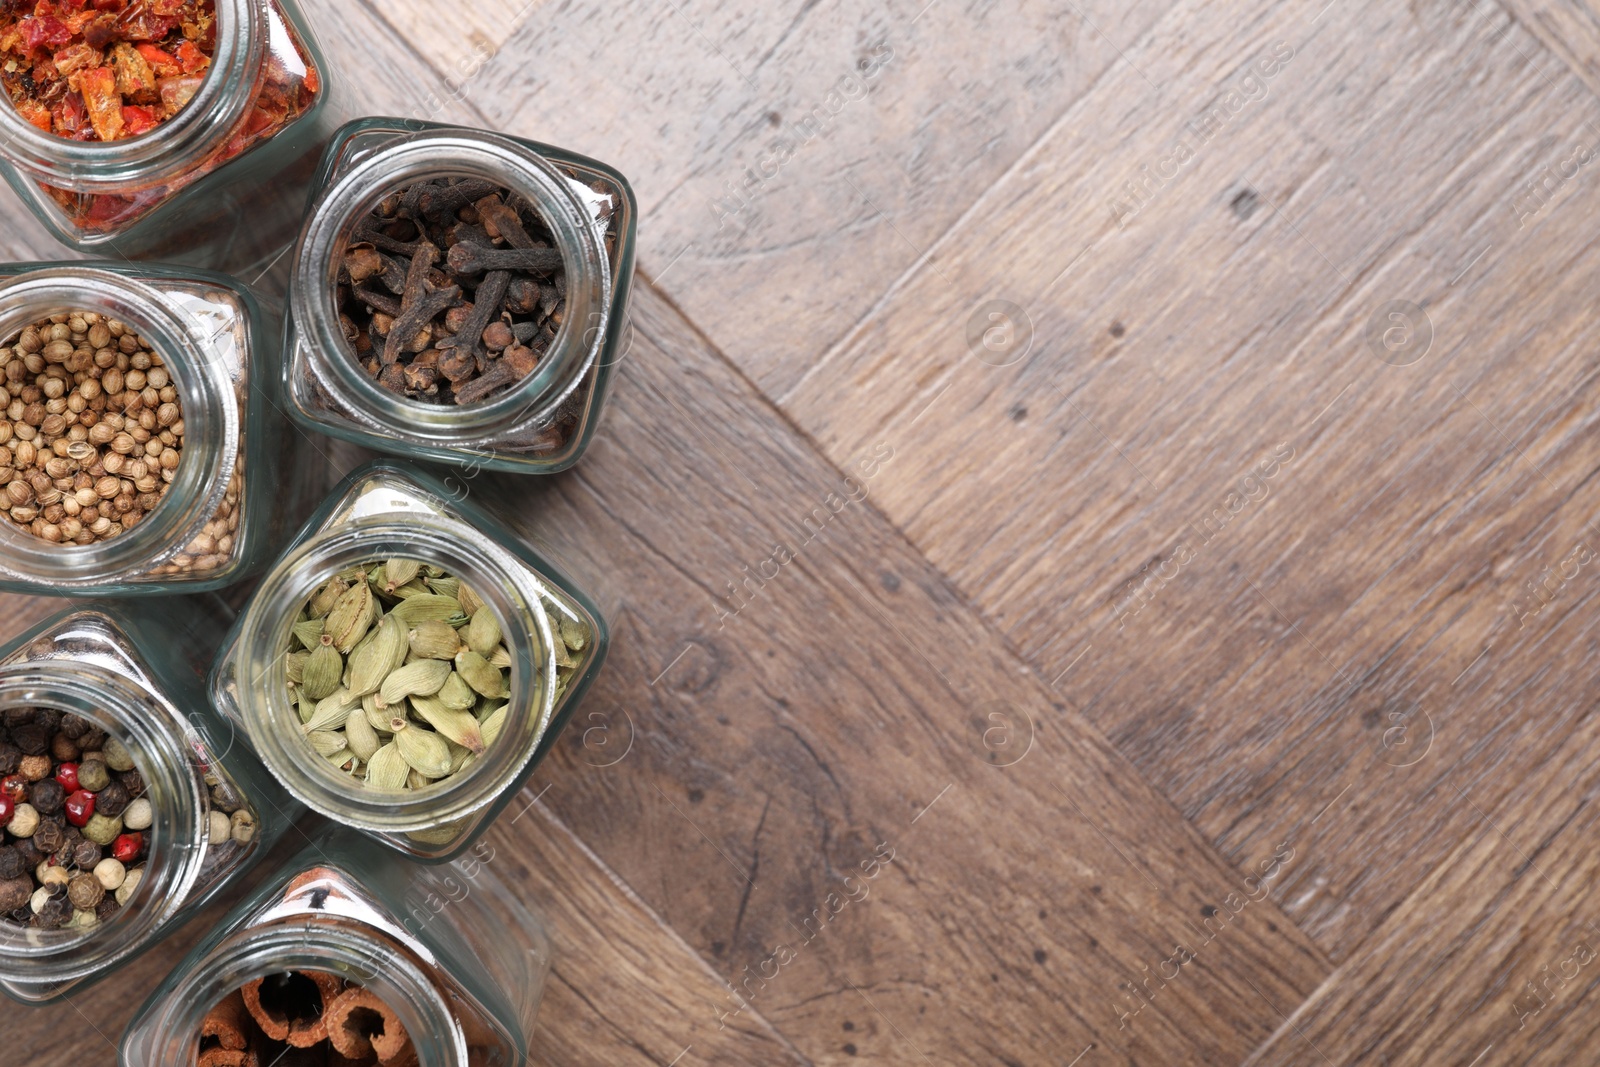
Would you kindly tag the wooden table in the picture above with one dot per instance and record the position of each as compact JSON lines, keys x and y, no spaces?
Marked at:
{"x":1178,"y":420}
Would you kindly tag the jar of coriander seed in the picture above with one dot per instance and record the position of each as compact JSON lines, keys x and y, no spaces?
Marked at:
{"x":152,"y":129}
{"x":137,"y":402}
{"x":459,"y":295}
{"x":125,"y":801}
{"x":348,"y":954}
{"x":406,"y":664}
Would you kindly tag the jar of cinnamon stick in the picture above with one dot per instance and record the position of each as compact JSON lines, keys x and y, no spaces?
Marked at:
{"x":460,"y":296}
{"x":351,"y":955}
{"x":128,"y":802}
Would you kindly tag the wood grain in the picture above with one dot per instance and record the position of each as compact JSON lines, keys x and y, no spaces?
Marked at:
{"x":843,"y":710}
{"x":1342,"y":588}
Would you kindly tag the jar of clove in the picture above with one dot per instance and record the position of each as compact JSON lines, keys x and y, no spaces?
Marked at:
{"x":408,"y":662}
{"x":459,"y":295}
{"x":153,"y":128}
{"x":127,"y":801}
{"x":350,"y":955}
{"x":136,"y":402}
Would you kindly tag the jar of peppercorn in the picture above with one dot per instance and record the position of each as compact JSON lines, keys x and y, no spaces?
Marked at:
{"x":350,"y":955}
{"x":406,"y":664}
{"x":124,"y":801}
{"x":153,"y":126}
{"x":136,"y":403}
{"x":459,"y":296}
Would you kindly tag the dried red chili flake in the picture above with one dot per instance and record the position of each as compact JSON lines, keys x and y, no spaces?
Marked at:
{"x":102,"y":70}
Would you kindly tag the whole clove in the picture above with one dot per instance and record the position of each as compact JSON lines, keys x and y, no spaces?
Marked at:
{"x":450,"y":291}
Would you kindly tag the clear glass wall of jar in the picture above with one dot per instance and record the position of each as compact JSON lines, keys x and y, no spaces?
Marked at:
{"x":542,"y":423}
{"x":135,"y":670}
{"x":243,"y":147}
{"x":554,"y":640}
{"x":215,"y":520}
{"x":451,"y":952}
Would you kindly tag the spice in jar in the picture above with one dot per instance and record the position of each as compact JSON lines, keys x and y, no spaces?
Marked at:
{"x":328,"y":1018}
{"x":451,"y":291}
{"x":73,"y":849}
{"x":115,"y":69}
{"x":92,"y":433}
{"x":399,"y":673}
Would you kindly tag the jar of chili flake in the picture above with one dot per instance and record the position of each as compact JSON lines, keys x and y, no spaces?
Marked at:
{"x":151,"y":124}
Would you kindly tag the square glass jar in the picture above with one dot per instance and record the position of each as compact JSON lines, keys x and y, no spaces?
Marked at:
{"x":459,"y":962}
{"x":215,"y":521}
{"x":242,"y":147}
{"x":553,"y":639}
{"x":136,"y":671}
{"x":543,"y":422}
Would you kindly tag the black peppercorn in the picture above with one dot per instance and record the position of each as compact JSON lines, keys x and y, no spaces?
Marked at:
{"x":14,"y":893}
{"x":49,"y":836}
{"x":107,"y":907}
{"x":47,"y":796}
{"x":10,"y":757}
{"x":92,"y":739}
{"x":74,"y":726}
{"x":134,"y":781}
{"x":13,"y":717}
{"x":33,"y":739}
{"x":112,"y":800}
{"x":85,"y":891}
{"x":49,"y":718}
{"x":31,"y":856}
{"x":57,"y":910}
{"x":11,"y":865}
{"x":64,"y":749}
{"x":85,"y":854}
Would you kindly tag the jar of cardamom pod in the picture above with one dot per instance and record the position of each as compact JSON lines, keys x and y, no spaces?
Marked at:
{"x":126,"y":802}
{"x":459,"y":295}
{"x":349,"y":954}
{"x":139,"y":414}
{"x":406,"y":664}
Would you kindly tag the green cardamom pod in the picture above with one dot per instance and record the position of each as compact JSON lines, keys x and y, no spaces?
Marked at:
{"x":326,"y":742}
{"x":469,"y":599}
{"x":456,"y":693}
{"x":321,"y":674}
{"x":379,"y":657}
{"x":434,"y":639}
{"x":500,"y":657}
{"x":492,"y":726}
{"x":423,"y":677}
{"x":343,"y":760}
{"x":351,"y":616}
{"x":483,"y":632}
{"x":415,"y":780}
{"x":294,"y":666}
{"x":356,"y":572}
{"x":307,"y":708}
{"x":324,"y":599}
{"x":309,"y":633}
{"x":423,"y":750}
{"x":453,"y":725}
{"x":476,"y":672}
{"x":387,"y":769}
{"x":397,"y":572}
{"x":361,"y":737}
{"x":332,"y":712}
{"x":450,"y":587}
{"x":413,"y":610}
{"x":409,"y":590}
{"x":458,"y":757}
{"x":563,"y":657}
{"x":574,"y":634}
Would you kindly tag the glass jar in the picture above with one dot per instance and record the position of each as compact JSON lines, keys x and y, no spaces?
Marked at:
{"x":242,"y":147}
{"x":555,"y":637}
{"x":449,"y":949}
{"x":544,"y":421}
{"x":214,"y":521}
{"x":136,"y":670}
